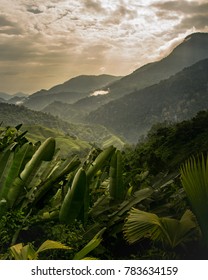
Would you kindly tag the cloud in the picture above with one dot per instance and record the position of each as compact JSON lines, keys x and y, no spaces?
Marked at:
{"x":120,"y":14}
{"x":196,"y":21}
{"x":9,"y":27}
{"x":182,"y":6}
{"x":43,"y":43}
{"x":193,"y":14}
{"x":188,"y":15}
{"x":34,"y":10}
{"x":4,"y":21}
{"x":99,"y":92}
{"x":94,"y":5}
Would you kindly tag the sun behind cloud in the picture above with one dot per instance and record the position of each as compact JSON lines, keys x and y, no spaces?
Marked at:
{"x":43,"y":43}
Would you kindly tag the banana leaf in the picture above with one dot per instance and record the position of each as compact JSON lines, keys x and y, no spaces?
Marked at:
{"x":116,"y":186}
{"x":99,"y":162}
{"x":95,"y":242}
{"x":74,"y":199}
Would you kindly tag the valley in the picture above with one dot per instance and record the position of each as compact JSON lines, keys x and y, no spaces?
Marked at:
{"x":172,"y":89}
{"x":109,"y":167}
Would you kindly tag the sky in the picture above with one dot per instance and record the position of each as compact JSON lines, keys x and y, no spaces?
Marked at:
{"x":47,"y":42}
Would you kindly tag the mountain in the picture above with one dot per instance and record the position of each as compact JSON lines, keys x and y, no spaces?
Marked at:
{"x":70,"y":91}
{"x":77,"y":111}
{"x":65,"y":111}
{"x":18,"y":100}
{"x":175,"y":99}
{"x":12,"y":115}
{"x":5,"y":95}
{"x":193,"y":48}
{"x":2,"y":100}
{"x":84,"y":84}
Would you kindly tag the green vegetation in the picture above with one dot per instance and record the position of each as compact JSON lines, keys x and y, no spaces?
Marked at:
{"x":66,"y":144}
{"x":41,"y":125}
{"x":194,"y":176}
{"x":142,"y":202}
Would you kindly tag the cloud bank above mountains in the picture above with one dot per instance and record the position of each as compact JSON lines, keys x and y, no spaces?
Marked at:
{"x":43,"y":43}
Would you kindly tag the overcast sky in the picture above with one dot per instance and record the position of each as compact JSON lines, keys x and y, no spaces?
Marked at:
{"x":46,"y":42}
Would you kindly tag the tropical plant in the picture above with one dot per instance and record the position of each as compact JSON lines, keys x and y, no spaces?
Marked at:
{"x":194,"y":178}
{"x":75,"y":199}
{"x":12,"y":137}
{"x":116,"y":186}
{"x":27,"y":252}
{"x":19,"y":167}
{"x":91,"y":245}
{"x":171,"y":232}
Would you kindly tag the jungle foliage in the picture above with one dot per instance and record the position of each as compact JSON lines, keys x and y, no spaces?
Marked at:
{"x":141,"y":202}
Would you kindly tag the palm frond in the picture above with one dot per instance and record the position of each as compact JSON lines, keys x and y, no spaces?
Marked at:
{"x":194,"y":178}
{"x":172,"y":232}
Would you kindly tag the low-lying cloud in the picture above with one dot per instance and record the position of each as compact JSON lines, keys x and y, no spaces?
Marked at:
{"x":99,"y":92}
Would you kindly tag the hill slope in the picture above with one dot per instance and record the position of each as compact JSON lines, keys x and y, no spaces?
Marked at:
{"x":12,"y":115}
{"x":77,"y":111}
{"x":192,"y":49}
{"x":175,"y":99}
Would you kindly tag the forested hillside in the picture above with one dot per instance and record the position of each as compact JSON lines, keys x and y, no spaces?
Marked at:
{"x":192,"y":49}
{"x":178,"y":98}
{"x":12,"y":115}
{"x":109,"y":204}
{"x":130,"y":105}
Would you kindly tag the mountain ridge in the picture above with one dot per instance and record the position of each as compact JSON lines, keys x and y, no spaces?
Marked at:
{"x":70,"y":91}
{"x":192,"y":49}
{"x":174,"y":99}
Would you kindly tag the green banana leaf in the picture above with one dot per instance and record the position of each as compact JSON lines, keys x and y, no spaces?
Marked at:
{"x":116,"y":186}
{"x":44,"y":153}
{"x":99,"y":161}
{"x":12,"y":189}
{"x":55,"y":176}
{"x":50,"y":244}
{"x":74,"y":199}
{"x":27,"y":252}
{"x":97,"y":239}
{"x":20,"y":252}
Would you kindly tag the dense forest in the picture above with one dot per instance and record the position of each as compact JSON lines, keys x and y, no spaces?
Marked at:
{"x":142,"y":201}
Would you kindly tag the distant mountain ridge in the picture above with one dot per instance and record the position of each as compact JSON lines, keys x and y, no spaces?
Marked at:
{"x":7,"y":96}
{"x":193,"y":48}
{"x":70,"y":91}
{"x":128,"y":108}
{"x":77,"y":111}
{"x":175,"y":99}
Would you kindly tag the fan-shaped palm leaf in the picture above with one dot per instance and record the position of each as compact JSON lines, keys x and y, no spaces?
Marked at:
{"x":194,"y":178}
{"x":172,"y":232}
